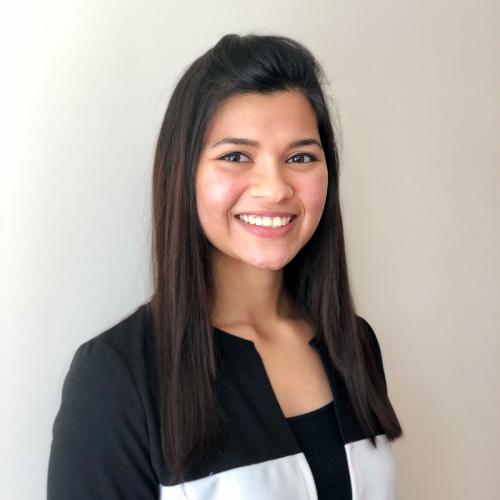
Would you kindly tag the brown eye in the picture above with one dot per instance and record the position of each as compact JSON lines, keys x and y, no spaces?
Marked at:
{"x":235,"y":154}
{"x":302,"y":155}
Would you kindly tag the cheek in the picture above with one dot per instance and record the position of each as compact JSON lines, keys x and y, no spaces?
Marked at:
{"x":313,"y":193}
{"x":215,"y":195}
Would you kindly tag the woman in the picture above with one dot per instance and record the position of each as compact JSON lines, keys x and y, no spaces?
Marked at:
{"x":248,"y":375}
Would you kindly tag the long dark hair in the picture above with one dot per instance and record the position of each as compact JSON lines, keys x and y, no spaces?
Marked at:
{"x":183,"y":289}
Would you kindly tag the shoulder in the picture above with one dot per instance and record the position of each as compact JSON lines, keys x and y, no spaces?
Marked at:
{"x":126,"y":343}
{"x":111,"y":370}
{"x":127,"y":336}
{"x":368,"y":334}
{"x":103,"y":415}
{"x":116,"y":357}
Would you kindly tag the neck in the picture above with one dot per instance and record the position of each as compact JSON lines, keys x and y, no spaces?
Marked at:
{"x":248,"y":295}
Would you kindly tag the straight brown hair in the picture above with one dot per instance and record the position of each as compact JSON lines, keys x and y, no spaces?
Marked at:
{"x":183,"y":289}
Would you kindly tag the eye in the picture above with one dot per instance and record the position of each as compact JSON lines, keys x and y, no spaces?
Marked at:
{"x":302,"y":155}
{"x":234,"y":154}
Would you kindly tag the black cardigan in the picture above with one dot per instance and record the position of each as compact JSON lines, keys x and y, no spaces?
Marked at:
{"x":106,"y":442}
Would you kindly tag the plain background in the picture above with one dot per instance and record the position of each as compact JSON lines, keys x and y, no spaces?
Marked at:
{"x":84,"y":88}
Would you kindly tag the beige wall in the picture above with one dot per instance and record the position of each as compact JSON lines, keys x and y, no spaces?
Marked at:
{"x":417,"y":87}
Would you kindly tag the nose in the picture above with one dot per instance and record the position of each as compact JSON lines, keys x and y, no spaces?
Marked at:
{"x":271,"y":184}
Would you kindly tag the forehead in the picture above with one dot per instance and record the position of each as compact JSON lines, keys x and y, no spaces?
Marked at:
{"x":254,"y":116}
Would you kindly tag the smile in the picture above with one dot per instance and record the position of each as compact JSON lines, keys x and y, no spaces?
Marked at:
{"x":256,"y":220}
{"x":266,"y":230}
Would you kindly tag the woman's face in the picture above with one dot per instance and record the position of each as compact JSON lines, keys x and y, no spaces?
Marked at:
{"x":269,"y":175}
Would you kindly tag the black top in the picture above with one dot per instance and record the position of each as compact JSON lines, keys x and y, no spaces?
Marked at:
{"x":106,"y":434}
{"x":319,"y":436}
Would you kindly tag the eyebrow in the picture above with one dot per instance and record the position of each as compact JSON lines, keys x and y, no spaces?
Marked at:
{"x":248,"y":142}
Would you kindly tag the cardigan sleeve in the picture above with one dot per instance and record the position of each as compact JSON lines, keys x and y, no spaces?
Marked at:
{"x":375,"y":347}
{"x":100,"y":443}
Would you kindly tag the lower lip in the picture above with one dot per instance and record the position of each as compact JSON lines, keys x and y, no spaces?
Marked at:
{"x":268,"y":232}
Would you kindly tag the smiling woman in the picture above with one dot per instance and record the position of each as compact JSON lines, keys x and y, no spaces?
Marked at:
{"x":248,"y":374}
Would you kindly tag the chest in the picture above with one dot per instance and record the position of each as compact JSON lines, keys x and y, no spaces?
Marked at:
{"x":297,"y":377}
{"x":259,"y":385}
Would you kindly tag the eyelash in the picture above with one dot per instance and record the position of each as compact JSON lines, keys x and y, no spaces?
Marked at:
{"x":311,"y":156}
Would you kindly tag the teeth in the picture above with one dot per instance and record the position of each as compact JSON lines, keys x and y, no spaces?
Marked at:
{"x":265,"y":221}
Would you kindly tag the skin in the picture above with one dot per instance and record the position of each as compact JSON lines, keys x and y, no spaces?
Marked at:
{"x":248,"y":269}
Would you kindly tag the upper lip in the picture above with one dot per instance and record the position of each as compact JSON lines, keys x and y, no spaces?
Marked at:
{"x":268,"y":213}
